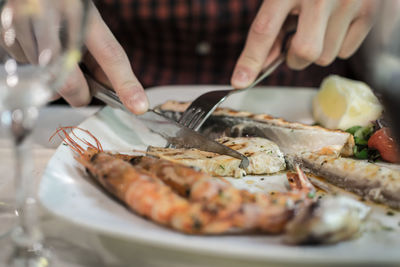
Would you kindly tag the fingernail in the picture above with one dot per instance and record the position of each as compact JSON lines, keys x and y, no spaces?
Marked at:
{"x":241,"y":78}
{"x":138,"y":103}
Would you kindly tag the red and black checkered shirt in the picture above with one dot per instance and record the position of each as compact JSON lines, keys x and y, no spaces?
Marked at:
{"x":193,"y":41}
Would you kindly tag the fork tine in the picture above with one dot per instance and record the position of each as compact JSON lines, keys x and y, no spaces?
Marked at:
{"x":194,"y":116}
{"x":186,"y":116}
{"x":194,"y":112}
{"x":197,"y":118}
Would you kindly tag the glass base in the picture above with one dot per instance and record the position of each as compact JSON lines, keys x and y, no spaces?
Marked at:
{"x":30,"y":257}
{"x":8,"y":217}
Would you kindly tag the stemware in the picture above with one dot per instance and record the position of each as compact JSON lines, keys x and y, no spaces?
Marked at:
{"x":39,"y":46}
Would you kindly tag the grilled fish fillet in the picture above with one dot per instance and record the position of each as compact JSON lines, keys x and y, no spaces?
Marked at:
{"x":312,"y":147}
{"x":371,"y":181}
{"x":264,"y":156}
{"x":291,"y":137}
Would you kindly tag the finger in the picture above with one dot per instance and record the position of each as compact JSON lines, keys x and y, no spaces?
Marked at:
{"x":96,"y":70}
{"x":275,"y":51}
{"x":76,"y":91}
{"x":13,"y":48}
{"x":262,"y":34}
{"x":55,"y":97}
{"x":47,"y":35}
{"x":8,"y":38}
{"x":25,"y":35}
{"x":112,"y":59}
{"x":357,"y":32}
{"x":337,"y":28}
{"x":307,"y":43}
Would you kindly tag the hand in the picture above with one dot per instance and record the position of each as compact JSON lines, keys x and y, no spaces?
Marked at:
{"x":104,"y":49}
{"x":326,"y":29}
{"x":108,"y":59}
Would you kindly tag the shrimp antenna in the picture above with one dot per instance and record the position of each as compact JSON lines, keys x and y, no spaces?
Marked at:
{"x":68,"y":135}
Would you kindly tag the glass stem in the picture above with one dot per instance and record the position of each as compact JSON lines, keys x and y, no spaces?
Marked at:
{"x":27,"y":236}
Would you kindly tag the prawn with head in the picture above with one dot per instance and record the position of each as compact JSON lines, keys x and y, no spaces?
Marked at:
{"x":191,"y":201}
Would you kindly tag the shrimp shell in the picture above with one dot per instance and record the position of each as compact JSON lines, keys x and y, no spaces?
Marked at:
{"x":186,"y":199}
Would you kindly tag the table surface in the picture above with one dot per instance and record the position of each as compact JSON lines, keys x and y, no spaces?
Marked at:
{"x":72,"y":245}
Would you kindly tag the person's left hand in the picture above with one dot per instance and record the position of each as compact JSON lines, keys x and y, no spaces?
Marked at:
{"x":326,"y":29}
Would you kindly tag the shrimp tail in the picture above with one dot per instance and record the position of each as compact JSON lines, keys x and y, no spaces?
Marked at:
{"x":298,"y":182}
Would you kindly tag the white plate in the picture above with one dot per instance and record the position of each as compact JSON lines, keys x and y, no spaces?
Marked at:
{"x":67,"y":192}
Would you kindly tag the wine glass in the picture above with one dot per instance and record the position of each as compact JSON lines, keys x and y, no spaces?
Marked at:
{"x":39,"y":45}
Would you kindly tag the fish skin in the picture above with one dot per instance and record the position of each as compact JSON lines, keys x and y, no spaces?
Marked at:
{"x":371,"y":181}
{"x":291,"y":137}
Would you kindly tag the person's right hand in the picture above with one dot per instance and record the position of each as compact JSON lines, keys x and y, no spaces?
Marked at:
{"x":106,"y":53}
{"x":113,"y":62}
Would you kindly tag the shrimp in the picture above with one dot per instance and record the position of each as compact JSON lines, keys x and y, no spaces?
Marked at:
{"x":186,"y":199}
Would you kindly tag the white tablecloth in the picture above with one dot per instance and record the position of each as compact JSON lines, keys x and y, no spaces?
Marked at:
{"x":72,"y":246}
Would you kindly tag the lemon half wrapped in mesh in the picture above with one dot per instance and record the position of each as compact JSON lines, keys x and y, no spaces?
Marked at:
{"x":342,"y":103}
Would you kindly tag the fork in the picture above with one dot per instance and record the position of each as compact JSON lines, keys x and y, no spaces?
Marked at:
{"x":202,"y":107}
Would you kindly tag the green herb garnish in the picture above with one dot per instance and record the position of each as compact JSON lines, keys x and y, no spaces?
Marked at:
{"x":353,"y":129}
{"x":311,"y":194}
{"x":362,"y":154}
{"x":361,"y":136}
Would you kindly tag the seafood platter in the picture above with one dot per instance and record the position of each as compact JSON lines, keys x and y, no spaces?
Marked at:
{"x":309,"y":192}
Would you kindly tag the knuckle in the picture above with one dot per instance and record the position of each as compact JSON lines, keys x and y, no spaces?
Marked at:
{"x":263,"y":26}
{"x":80,"y":102}
{"x":324,"y":60}
{"x":72,"y":93}
{"x":349,"y":4}
{"x":251,"y":61}
{"x":369,"y":9}
{"x":129,"y":86}
{"x":112,"y":52}
{"x":306,"y":51}
{"x":319,"y":4}
{"x":69,"y":89}
{"x":344,"y":54}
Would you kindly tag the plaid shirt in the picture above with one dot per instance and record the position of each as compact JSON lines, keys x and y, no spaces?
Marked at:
{"x":193,"y":41}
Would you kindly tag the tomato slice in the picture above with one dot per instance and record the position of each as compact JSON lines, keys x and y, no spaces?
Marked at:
{"x":384,"y":143}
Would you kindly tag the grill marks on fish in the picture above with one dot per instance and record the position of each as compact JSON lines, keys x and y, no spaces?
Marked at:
{"x":371,"y":181}
{"x":291,"y":137}
{"x":264,"y":156}
{"x":314,"y":147}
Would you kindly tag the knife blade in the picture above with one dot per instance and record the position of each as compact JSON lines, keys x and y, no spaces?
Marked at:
{"x":176,"y":134}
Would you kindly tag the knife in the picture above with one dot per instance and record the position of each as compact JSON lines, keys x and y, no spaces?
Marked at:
{"x":176,"y":134}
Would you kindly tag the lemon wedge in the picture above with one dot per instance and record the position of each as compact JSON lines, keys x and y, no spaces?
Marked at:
{"x":342,"y":103}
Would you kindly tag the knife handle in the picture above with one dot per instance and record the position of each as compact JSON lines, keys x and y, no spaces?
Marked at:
{"x":103,"y":93}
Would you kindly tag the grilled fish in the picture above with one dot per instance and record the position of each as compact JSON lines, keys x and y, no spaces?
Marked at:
{"x":323,"y":152}
{"x":264,"y":156}
{"x":291,"y":137}
{"x":371,"y":181}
